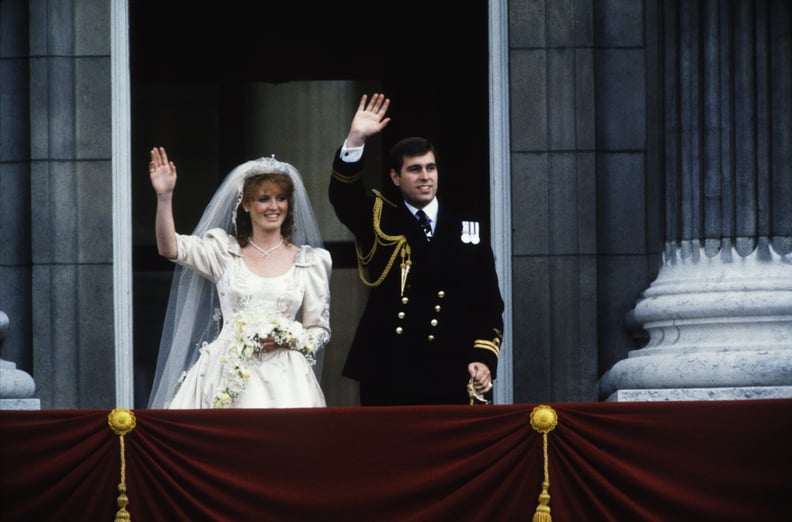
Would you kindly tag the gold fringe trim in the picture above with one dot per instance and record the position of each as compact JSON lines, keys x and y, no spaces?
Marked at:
{"x":544,"y":419}
{"x":122,"y":421}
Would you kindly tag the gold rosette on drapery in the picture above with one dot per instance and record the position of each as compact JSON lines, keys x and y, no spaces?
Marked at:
{"x":122,"y":421}
{"x":543,"y":420}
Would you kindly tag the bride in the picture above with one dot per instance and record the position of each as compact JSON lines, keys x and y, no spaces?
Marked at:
{"x":249,"y":308}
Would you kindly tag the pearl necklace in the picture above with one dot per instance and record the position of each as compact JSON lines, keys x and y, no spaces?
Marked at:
{"x":265,"y":252}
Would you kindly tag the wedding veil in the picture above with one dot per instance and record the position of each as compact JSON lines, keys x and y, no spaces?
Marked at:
{"x":193,"y":314}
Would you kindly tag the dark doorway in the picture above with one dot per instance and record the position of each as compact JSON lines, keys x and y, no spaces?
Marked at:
{"x":431,"y":60}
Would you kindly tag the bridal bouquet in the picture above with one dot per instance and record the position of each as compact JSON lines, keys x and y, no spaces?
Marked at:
{"x":249,"y":328}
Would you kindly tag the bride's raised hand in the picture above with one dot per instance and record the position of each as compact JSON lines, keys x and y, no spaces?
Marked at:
{"x":162,"y":172}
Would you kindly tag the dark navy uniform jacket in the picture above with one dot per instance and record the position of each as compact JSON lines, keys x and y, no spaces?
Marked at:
{"x":433,"y":307}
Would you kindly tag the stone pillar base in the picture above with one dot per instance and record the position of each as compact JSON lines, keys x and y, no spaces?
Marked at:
{"x":718,"y":325}
{"x":702,"y":394}
{"x":16,"y":388}
{"x":20,"y":404}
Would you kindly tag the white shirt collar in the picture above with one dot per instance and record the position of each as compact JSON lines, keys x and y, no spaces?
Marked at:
{"x":430,"y":210}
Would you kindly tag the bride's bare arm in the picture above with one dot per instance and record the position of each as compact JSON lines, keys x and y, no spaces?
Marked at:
{"x":163,"y":179}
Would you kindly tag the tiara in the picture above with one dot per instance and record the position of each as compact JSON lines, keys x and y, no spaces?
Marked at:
{"x":267,"y":165}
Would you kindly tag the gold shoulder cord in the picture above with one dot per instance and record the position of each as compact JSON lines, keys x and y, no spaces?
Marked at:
{"x":399,"y":244}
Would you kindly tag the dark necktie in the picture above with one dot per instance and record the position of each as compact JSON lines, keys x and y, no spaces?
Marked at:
{"x":425,"y":223}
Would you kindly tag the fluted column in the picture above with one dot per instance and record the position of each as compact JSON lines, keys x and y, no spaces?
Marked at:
{"x":719,"y":314}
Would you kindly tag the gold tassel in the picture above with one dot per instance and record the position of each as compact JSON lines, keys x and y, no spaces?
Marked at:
{"x":406,"y":263}
{"x":544,"y":419}
{"x":122,"y":421}
{"x":475,"y":397}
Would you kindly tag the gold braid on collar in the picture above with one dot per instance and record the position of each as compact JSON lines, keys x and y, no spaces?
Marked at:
{"x":399,"y":244}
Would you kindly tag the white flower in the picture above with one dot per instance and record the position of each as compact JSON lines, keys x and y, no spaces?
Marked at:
{"x":248,"y":331}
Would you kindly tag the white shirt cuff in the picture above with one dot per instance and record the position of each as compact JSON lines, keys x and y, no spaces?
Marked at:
{"x":351,"y":154}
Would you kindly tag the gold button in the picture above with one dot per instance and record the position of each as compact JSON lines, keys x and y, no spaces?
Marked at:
{"x":399,"y":330}
{"x":401,"y":315}
{"x":433,"y":322}
{"x":437,"y":308}
{"x":430,"y":338}
{"x":441,"y":294}
{"x":405,"y":300}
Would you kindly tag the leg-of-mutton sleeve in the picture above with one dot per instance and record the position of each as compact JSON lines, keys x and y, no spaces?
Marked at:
{"x":315,"y":265}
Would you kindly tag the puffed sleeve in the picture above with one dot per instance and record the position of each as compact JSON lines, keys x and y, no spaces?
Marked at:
{"x":208,"y":255}
{"x":315,"y":265}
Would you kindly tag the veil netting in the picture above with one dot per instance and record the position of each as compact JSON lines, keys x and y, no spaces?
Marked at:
{"x":192,"y":318}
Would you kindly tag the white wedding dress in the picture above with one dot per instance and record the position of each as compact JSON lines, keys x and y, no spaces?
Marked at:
{"x":279,"y":379}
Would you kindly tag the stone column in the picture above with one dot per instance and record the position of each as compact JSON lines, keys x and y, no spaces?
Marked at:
{"x":719,"y":314}
{"x":71,"y":211}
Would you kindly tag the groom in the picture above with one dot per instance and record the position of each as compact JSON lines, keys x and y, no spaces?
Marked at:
{"x":432,"y":327}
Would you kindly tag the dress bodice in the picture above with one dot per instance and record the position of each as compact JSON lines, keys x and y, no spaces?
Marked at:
{"x":301,"y":293}
{"x":240,"y":288}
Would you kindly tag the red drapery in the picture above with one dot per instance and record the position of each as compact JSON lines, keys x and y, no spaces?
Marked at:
{"x":670,"y":461}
